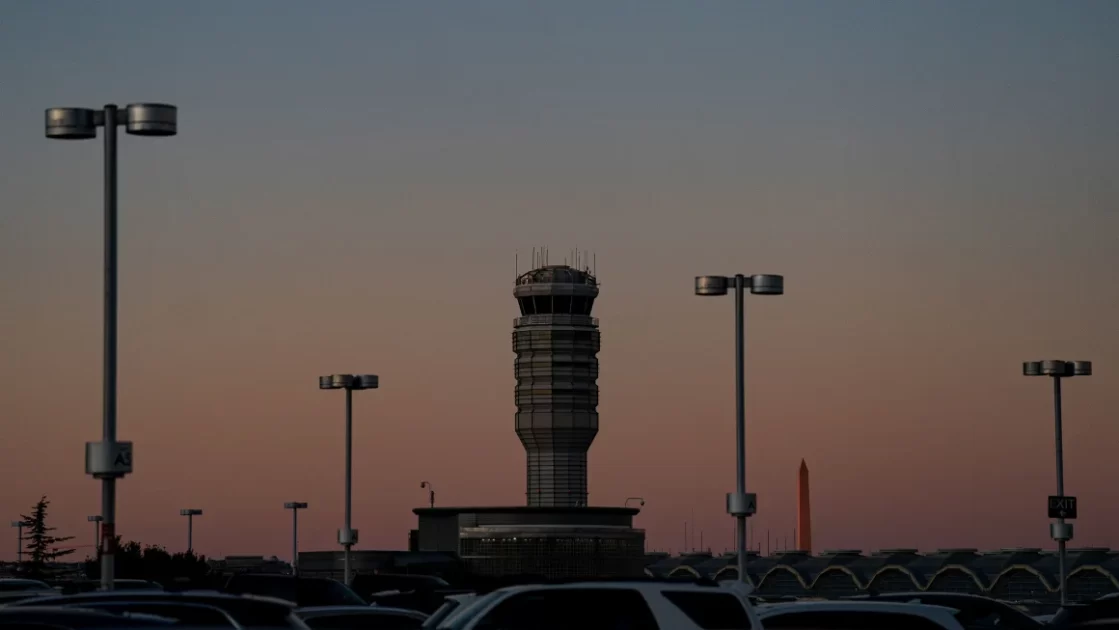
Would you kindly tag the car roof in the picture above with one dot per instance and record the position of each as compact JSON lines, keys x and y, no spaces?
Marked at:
{"x":767,"y":610}
{"x":317,"y":611}
{"x":142,"y":595}
{"x":654,"y":586}
{"x":83,"y":613}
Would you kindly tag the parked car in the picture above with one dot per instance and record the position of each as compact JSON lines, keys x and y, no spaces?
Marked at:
{"x":88,"y":586}
{"x":303,"y":591}
{"x":185,"y":613}
{"x":849,"y":615}
{"x":16,"y":589}
{"x":361,"y":618}
{"x":635,"y":605}
{"x":974,"y":612}
{"x":246,"y":610}
{"x":50,"y":617}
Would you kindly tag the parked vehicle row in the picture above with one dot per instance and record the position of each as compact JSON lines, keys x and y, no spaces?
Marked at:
{"x":298,"y":603}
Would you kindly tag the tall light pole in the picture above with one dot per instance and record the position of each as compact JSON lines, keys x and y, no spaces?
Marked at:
{"x":295,"y":506}
{"x":639,"y":500}
{"x":190,"y":513}
{"x":1060,"y":506}
{"x":347,"y":536}
{"x":430,"y":492}
{"x":96,"y":520}
{"x":740,"y":504}
{"x":19,"y":543}
{"x":109,"y":460}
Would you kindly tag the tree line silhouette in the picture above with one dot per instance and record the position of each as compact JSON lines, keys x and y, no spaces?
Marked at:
{"x":133,"y":560}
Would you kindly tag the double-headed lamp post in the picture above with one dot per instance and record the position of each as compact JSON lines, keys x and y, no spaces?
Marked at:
{"x":640,"y":501}
{"x":739,"y":504}
{"x":1057,"y":370}
{"x":347,"y":536}
{"x":109,"y":460}
{"x":96,"y":520}
{"x":295,"y":506}
{"x":190,"y":513}
{"x":19,"y":542}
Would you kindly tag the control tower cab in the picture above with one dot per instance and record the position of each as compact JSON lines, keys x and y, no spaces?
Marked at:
{"x":556,"y":342}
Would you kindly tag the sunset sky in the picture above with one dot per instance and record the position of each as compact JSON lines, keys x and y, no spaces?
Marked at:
{"x":353,"y":180}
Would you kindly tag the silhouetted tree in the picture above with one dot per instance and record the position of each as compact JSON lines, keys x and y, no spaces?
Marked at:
{"x":152,"y":562}
{"x":41,"y":546}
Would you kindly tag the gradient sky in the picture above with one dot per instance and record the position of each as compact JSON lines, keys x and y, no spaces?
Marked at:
{"x":936,"y":180}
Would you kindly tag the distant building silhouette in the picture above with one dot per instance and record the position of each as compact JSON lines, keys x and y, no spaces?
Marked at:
{"x":804,"y":511}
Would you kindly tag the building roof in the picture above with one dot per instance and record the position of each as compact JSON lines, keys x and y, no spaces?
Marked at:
{"x":524,"y":509}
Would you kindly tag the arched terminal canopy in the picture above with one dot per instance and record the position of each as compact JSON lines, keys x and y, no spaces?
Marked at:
{"x":556,"y":290}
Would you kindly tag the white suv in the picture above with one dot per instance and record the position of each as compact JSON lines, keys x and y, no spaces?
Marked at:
{"x":588,"y":605}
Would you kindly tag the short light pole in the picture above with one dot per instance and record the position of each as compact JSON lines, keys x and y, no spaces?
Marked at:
{"x":190,"y":513}
{"x":347,"y":536}
{"x":1059,"y":531}
{"x":740,"y":505}
{"x":109,"y":460}
{"x":640,"y":501}
{"x":430,"y":492}
{"x":19,"y":543}
{"x":295,"y":506}
{"x":96,"y":520}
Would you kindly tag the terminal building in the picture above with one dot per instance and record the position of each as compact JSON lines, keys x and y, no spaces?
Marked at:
{"x":1020,"y":574}
{"x":556,"y":534}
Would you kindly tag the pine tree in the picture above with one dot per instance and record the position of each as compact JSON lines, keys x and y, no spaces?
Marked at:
{"x":41,"y":546}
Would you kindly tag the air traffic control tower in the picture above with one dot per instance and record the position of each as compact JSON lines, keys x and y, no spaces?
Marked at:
{"x":556,"y":341}
{"x":557,"y":534}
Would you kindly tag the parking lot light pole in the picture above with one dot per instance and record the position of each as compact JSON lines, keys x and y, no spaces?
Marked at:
{"x":109,"y":460}
{"x":295,"y":506}
{"x":190,"y":513}
{"x":96,"y":520}
{"x":19,"y":543}
{"x":430,"y":492}
{"x":347,"y":536}
{"x":1057,"y":370}
{"x":739,"y":504}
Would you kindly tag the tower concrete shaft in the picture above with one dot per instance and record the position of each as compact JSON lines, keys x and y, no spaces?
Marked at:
{"x":804,"y":510}
{"x":556,"y":342}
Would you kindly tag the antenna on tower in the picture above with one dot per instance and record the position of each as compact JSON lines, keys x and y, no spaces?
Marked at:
{"x":516,"y":263}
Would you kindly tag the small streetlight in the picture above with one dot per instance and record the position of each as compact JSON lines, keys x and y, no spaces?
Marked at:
{"x":739,"y":504}
{"x":109,"y":460}
{"x":190,"y":513}
{"x":430,"y":492}
{"x":347,"y":536}
{"x":640,"y":501}
{"x":96,"y":520}
{"x":295,"y":506}
{"x":19,"y":542}
{"x":1056,"y":370}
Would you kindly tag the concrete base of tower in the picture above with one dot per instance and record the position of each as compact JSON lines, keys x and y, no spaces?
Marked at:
{"x":538,"y":542}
